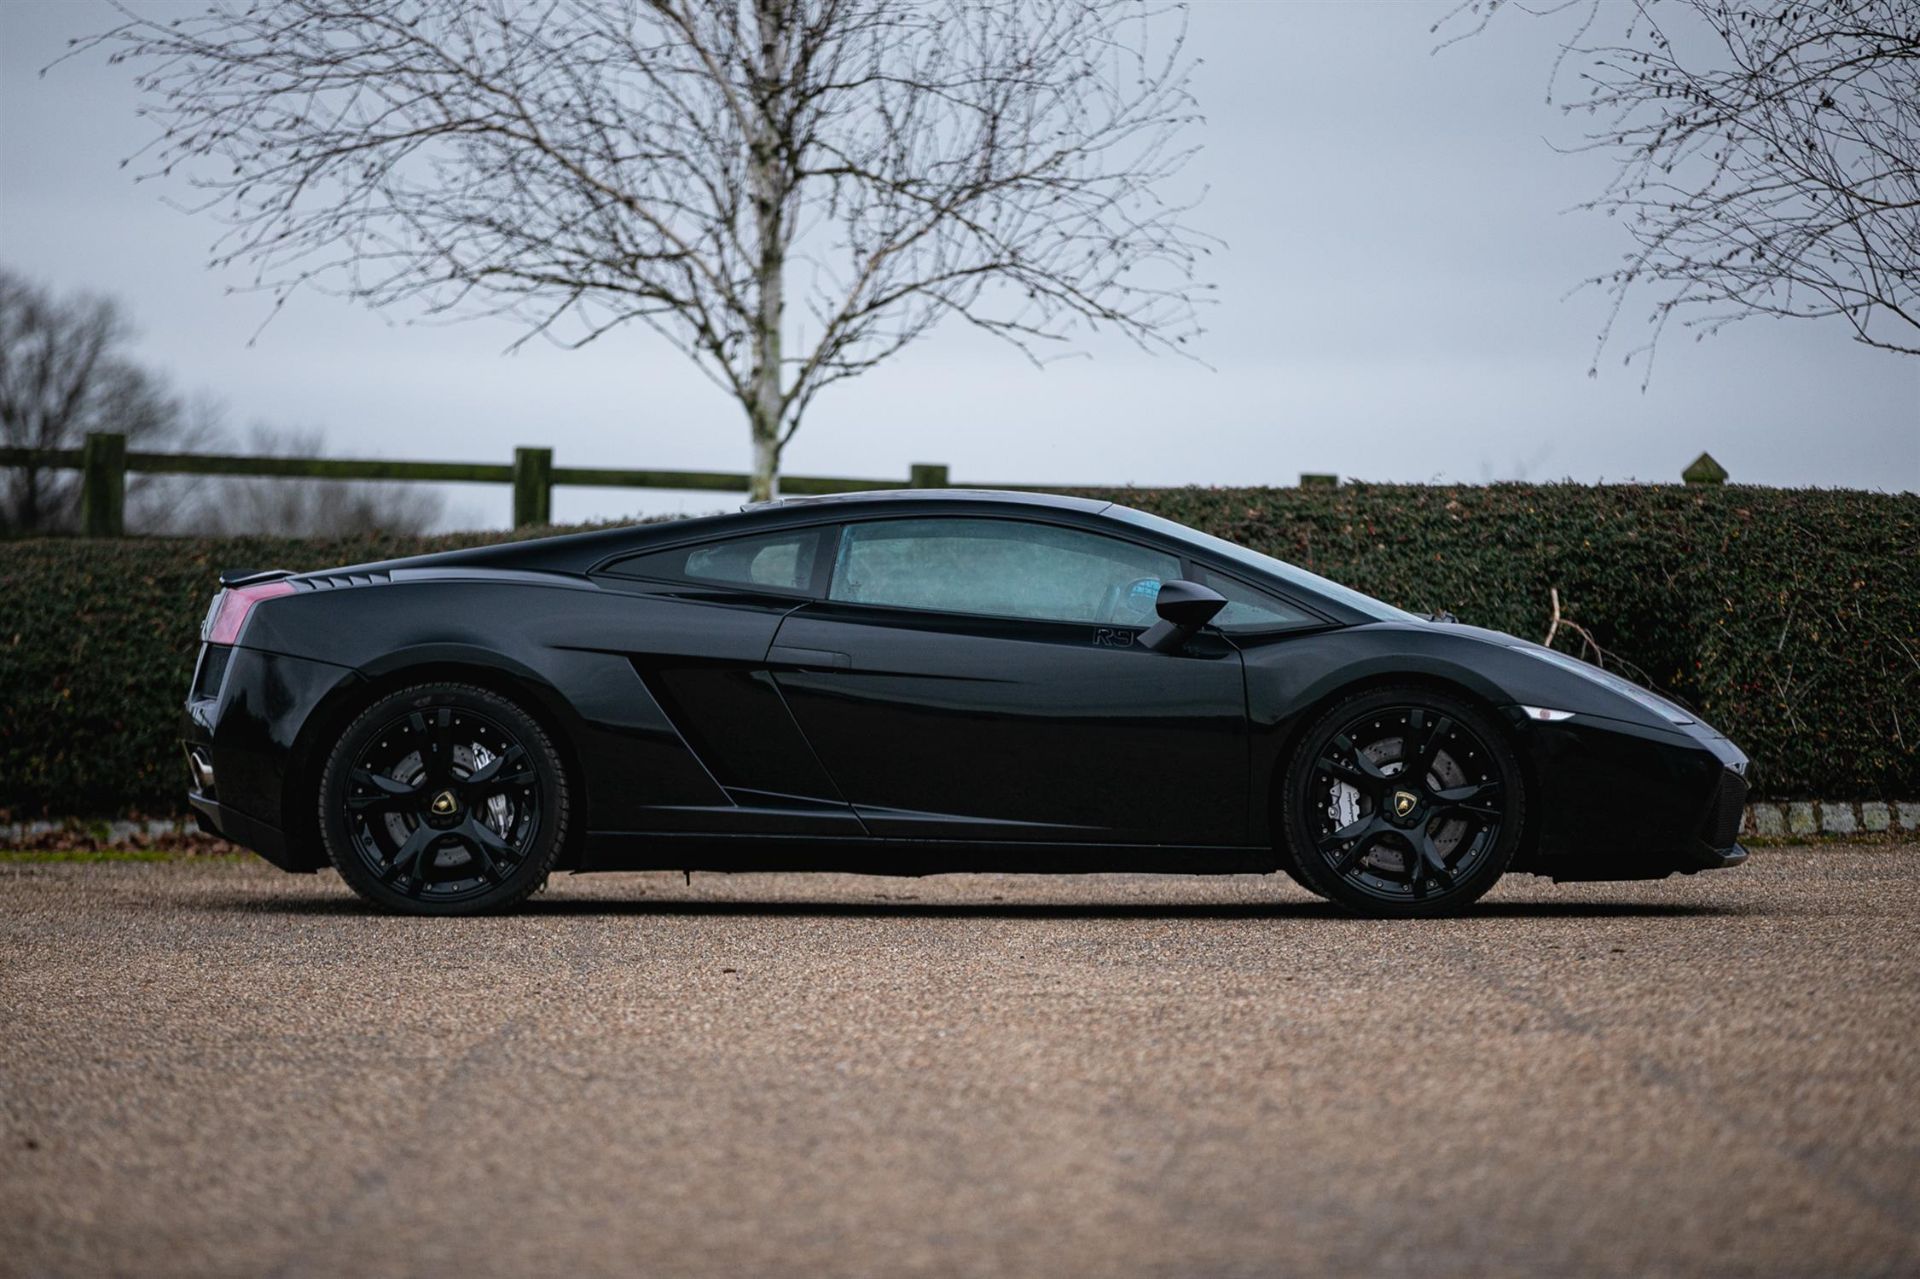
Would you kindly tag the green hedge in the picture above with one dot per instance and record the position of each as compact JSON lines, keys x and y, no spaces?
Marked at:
{"x":1790,"y":618}
{"x":96,"y":651}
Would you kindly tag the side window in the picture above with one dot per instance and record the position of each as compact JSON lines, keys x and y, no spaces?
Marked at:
{"x":1000,"y":568}
{"x":1249,"y":608}
{"x":774,"y":561}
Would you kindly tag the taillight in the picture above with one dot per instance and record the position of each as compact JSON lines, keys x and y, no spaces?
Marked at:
{"x":231,"y":608}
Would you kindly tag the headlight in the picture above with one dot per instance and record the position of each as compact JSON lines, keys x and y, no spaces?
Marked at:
{"x":1606,"y":679}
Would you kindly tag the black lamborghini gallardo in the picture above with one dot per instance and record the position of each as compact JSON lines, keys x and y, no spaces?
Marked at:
{"x":916,"y":682}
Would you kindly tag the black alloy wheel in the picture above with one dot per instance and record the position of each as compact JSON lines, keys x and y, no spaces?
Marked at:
{"x":1402,"y":802}
{"x":444,"y":799}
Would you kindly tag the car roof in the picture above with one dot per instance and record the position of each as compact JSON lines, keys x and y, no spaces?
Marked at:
{"x":991,"y":497}
{"x":581,"y":552}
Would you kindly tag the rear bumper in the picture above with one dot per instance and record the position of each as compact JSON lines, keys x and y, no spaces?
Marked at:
{"x":244,"y":720}
{"x":232,"y":824}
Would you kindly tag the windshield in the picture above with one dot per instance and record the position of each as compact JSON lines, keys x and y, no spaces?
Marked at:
{"x":1266,"y":564}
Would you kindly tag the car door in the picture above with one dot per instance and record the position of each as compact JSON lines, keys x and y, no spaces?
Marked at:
{"x":975,"y":677}
{"x":701,"y":619}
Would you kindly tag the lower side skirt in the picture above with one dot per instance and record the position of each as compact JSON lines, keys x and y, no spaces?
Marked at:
{"x":624,"y":850}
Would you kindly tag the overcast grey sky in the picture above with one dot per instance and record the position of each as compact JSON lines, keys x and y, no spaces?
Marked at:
{"x":1391,"y":308}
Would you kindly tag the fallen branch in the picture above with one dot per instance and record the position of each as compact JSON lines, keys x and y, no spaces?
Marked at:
{"x":1588,"y":644}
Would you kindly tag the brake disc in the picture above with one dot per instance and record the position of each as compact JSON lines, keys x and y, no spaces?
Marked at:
{"x":469,"y":759}
{"x":1346,"y":805}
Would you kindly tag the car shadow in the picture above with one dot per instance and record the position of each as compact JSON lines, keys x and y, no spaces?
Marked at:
{"x":1096,"y":910}
{"x":907,"y":908}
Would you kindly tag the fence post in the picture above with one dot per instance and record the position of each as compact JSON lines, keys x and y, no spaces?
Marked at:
{"x":927,"y":475}
{"x":532,"y":487}
{"x":103,"y":485}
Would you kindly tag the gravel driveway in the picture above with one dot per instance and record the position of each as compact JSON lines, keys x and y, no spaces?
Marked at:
{"x":210,"y":1067}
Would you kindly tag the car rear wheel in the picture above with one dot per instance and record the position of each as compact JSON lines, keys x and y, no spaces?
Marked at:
{"x":1402,"y":802}
{"x":444,"y":799}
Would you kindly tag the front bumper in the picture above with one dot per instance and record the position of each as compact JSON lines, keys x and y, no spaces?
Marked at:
{"x":1704,"y":858}
{"x":1614,"y":800}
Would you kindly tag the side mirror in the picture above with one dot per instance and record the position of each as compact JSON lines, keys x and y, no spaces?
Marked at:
{"x":1184,"y":607}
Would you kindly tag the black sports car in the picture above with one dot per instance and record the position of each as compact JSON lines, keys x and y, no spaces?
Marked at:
{"x":916,"y":682}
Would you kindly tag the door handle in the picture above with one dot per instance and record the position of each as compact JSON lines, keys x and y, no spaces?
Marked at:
{"x":809,"y":659}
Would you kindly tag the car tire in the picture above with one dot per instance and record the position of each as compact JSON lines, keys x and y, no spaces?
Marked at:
{"x":1283,"y":854}
{"x":1365,"y":832}
{"x":444,"y":799}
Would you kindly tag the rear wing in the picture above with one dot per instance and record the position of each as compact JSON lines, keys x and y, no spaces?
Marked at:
{"x":250,"y":576}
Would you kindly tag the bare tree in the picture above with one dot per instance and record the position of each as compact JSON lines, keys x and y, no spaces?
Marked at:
{"x":1769,"y":155}
{"x":64,"y":371}
{"x":791,"y":191}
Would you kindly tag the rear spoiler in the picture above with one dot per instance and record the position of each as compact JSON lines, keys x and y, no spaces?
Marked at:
{"x":251,"y":576}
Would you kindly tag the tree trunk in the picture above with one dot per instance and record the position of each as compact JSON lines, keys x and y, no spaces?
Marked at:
{"x":766,"y":408}
{"x":767,"y":179}
{"x":765,"y":483}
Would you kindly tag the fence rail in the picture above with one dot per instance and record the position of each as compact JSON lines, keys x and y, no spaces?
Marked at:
{"x":103,"y":463}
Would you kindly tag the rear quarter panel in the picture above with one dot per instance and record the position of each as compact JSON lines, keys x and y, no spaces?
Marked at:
{"x":564,"y":642}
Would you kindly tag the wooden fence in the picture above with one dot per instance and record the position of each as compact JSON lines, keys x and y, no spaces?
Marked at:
{"x":104,"y":461}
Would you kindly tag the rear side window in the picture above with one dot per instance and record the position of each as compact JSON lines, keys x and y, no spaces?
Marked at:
{"x":781,"y":561}
{"x":1000,"y":568}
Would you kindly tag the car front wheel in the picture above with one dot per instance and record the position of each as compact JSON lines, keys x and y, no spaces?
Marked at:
{"x":1402,"y":802}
